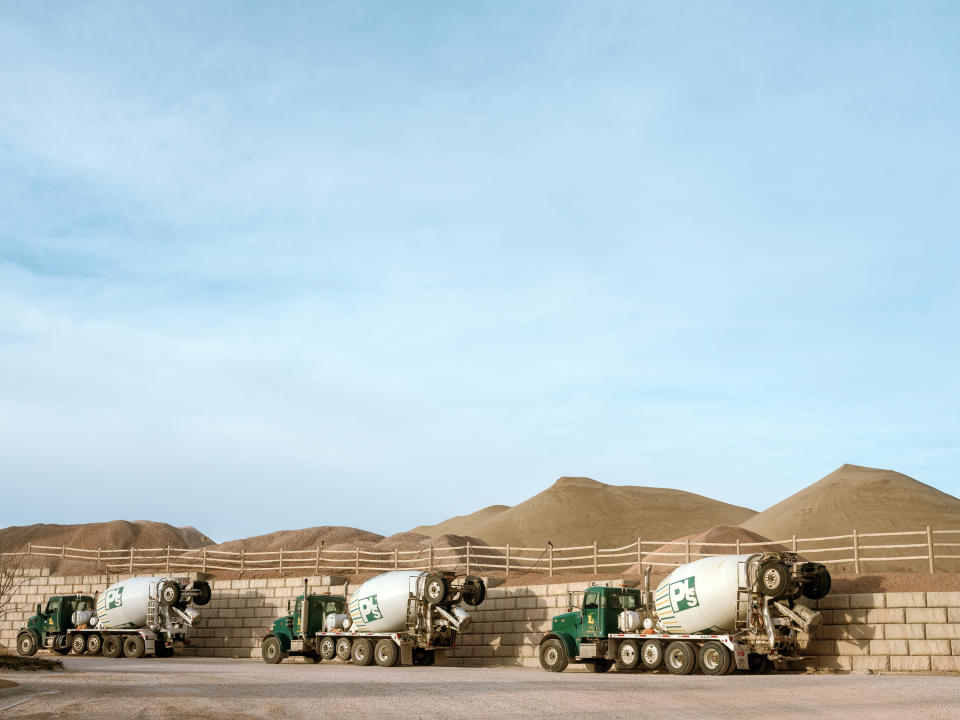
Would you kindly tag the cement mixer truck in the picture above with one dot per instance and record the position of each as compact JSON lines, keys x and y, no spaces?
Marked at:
{"x":719,"y":614}
{"x":133,"y":617}
{"x":405,"y":617}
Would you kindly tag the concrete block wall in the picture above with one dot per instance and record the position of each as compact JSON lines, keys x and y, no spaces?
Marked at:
{"x":896,"y":632}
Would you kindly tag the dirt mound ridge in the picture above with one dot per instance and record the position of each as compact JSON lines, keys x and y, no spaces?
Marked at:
{"x":577,"y":511}
{"x":868,"y":499}
{"x":329,"y":536}
{"x":462,"y":524}
{"x":719,"y":540}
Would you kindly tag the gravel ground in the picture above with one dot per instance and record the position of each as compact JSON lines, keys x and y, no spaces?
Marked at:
{"x":214,"y":688}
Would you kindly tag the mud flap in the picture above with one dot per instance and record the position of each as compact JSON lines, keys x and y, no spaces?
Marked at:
{"x":740,"y":653}
{"x":406,"y":654}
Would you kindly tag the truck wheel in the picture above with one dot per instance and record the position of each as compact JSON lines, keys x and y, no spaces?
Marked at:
{"x":758,"y":664}
{"x":26,"y":644}
{"x":169,"y":592}
{"x":133,"y":646}
{"x":714,"y":658}
{"x":474,"y":590}
{"x":434,"y":589}
{"x":313,"y":658}
{"x":362,"y":652}
{"x":680,"y":658}
{"x":424,"y":658}
{"x":112,"y":647}
{"x":600,"y":665}
{"x":328,"y":648}
{"x":204,"y":593}
{"x":94,"y":644}
{"x":78,"y":643}
{"x":60,"y":645}
{"x":651,"y":654}
{"x":161,"y":650}
{"x":553,"y":655}
{"x":271,"y":650}
{"x":386,"y":653}
{"x":819,"y":587}
{"x":344,"y":648}
{"x":628,"y":654}
{"x":773,"y":578}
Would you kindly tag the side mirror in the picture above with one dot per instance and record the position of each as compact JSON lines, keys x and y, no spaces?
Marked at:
{"x":39,"y":611}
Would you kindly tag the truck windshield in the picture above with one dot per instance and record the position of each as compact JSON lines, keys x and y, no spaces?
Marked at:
{"x":623,"y":602}
{"x":53,"y":606}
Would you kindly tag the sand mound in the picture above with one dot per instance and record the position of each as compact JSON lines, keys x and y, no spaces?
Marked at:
{"x":577,"y":511}
{"x":462,"y":524}
{"x":114,"y":534}
{"x":327,"y":536}
{"x":870,"y":500}
{"x":720,"y":540}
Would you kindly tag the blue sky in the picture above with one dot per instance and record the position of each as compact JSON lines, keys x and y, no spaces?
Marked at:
{"x":268,"y":266}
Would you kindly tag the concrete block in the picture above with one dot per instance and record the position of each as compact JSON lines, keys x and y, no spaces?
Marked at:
{"x":945,"y":664}
{"x":889,"y":647}
{"x":853,"y":647}
{"x":943,"y":630}
{"x":953,"y":614}
{"x":846,"y":617}
{"x":831,"y":632}
{"x":836,"y":662}
{"x":873,"y":662}
{"x":926,"y":615}
{"x":820,"y":647}
{"x":834,"y":602}
{"x":955,"y":647}
{"x":861,"y":632}
{"x":943,"y":599}
{"x":913,"y":663}
{"x":867,"y":600}
{"x":907,"y":600}
{"x":890,"y":615}
{"x":929,"y":647}
{"x":903,"y":631}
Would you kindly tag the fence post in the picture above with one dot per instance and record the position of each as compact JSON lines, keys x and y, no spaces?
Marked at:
{"x":396,"y":559}
{"x":508,"y":559}
{"x":430,"y":566}
{"x":358,"y":560}
{"x":738,"y":546}
{"x":856,"y":553}
{"x":468,"y":557}
{"x":281,"y":559}
{"x":639,"y":556}
{"x":98,"y":555}
{"x":687,"y":548}
{"x":930,"y":547}
{"x":131,"y":559}
{"x":63,"y":551}
{"x":29,"y":548}
{"x":794,"y":542}
{"x":241,"y":562}
{"x":168,"y":559}
{"x":316,"y":563}
{"x":594,"y":557}
{"x":204,"y":558}
{"x":550,"y":560}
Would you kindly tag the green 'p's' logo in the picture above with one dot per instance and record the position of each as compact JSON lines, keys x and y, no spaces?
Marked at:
{"x":369,"y":609}
{"x":683,"y":595}
{"x":114,"y":598}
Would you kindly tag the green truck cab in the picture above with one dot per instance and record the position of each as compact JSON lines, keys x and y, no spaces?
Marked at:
{"x":580,"y":634}
{"x":296,"y":632}
{"x":50,"y":627}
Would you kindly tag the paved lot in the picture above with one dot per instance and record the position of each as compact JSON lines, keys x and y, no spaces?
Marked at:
{"x":214,"y":688}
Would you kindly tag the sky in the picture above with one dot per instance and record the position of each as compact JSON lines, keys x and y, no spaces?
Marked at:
{"x":269,"y":266}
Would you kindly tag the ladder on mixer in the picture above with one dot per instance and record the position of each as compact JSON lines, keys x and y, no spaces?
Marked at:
{"x":744,"y":604}
{"x":151,"y":612}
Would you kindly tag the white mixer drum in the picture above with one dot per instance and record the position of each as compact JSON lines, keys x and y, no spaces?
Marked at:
{"x":701,"y":597}
{"x":381,"y":603}
{"x":124,"y":604}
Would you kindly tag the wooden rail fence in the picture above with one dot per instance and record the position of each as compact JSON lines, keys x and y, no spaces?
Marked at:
{"x":921,"y":549}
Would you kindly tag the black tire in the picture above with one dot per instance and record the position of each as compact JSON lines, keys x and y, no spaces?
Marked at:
{"x":386,"y":653}
{"x":94,"y":644}
{"x":362,"y":653}
{"x":112,"y":646}
{"x":474,"y":590}
{"x":328,"y":648}
{"x":312,"y":658}
{"x":424,"y":658}
{"x":651,"y":654}
{"x":26,"y":644}
{"x":271,"y":650}
{"x":628,"y":655}
{"x":680,"y":658}
{"x":773,"y":578}
{"x":553,"y":655}
{"x":204,"y":593}
{"x":434,"y":588}
{"x":161,"y":650}
{"x":344,"y":648}
{"x":60,"y":645}
{"x":758,"y":664}
{"x":169,"y":592}
{"x":714,"y":658}
{"x":600,"y":665}
{"x":133,"y":646}
{"x":819,"y":587}
{"x":78,"y":644}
